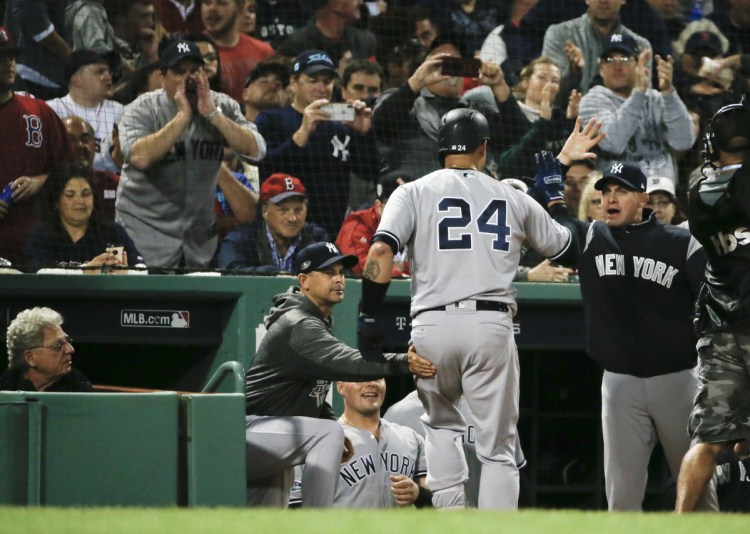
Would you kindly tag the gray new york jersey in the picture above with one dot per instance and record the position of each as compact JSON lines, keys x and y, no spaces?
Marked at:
{"x":364,"y":481}
{"x":464,"y":232}
{"x":408,"y":412}
{"x":168,"y":209}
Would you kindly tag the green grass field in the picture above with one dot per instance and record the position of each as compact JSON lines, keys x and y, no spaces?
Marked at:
{"x":228,"y":521}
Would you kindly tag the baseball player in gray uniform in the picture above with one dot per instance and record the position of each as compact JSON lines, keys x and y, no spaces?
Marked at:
{"x":388,"y":468}
{"x":173,"y":142}
{"x":288,"y":420}
{"x":409,"y":411}
{"x":465,"y":233}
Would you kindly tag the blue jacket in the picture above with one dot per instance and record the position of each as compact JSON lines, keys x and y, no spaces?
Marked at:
{"x":246,"y":248}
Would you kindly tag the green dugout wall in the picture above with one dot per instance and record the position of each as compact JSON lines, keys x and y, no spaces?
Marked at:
{"x":173,"y":333}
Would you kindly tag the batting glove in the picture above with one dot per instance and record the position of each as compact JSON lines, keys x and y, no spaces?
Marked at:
{"x":548,"y":180}
{"x":370,"y":339}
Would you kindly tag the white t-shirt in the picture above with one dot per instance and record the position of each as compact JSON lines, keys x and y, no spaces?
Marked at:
{"x":102,"y":119}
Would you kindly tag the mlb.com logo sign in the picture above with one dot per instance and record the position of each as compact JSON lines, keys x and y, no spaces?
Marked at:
{"x":155,"y":318}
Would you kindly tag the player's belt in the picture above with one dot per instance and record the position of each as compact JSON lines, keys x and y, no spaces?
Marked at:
{"x":481,"y":305}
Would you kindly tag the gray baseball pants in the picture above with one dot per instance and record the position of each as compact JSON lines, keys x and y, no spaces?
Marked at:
{"x":476,"y":357}
{"x":636,"y":413}
{"x":274,"y":445}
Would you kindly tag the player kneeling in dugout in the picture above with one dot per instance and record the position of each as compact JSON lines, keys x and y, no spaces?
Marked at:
{"x":388,"y":468}
{"x":288,"y":421}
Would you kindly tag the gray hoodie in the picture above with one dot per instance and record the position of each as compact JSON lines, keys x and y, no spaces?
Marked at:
{"x":641,"y":129}
{"x":299,"y":357}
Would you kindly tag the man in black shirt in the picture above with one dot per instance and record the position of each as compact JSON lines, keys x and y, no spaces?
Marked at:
{"x":719,"y":215}
{"x":40,"y":355}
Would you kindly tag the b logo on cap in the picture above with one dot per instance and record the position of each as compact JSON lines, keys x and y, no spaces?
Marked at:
{"x":183,"y":48}
{"x":332,"y":248}
{"x":616,"y":168}
{"x":289,"y":183}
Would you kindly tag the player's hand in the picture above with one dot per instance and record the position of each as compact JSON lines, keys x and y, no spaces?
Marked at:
{"x":422,"y":367}
{"x":546,"y":272}
{"x":362,"y":117}
{"x":370,"y":339}
{"x":404,"y":489}
{"x":348,"y":452}
{"x":548,"y":180}
{"x":580,"y":142}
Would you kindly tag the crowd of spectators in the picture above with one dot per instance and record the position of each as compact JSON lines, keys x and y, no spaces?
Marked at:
{"x":652,"y":71}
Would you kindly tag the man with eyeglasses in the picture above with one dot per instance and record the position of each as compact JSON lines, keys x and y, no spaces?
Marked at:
{"x":173,"y":142}
{"x":643,"y":125}
{"x":40,"y":355}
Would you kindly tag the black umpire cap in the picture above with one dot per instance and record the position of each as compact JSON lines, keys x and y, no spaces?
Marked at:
{"x":318,"y":256}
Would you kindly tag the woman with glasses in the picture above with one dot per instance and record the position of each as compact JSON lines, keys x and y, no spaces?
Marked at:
{"x":40,"y":355}
{"x":70,"y":232}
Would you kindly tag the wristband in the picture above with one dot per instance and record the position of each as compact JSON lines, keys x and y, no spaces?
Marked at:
{"x":373,"y":294}
{"x":424,"y":498}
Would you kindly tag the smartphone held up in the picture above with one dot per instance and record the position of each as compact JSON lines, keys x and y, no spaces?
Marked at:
{"x":468,"y":67}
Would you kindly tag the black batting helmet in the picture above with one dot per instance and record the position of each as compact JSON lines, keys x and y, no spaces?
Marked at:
{"x":729,"y":128}
{"x":462,"y":130}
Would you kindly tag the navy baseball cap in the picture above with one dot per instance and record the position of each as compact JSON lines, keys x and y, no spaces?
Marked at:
{"x":6,"y":41}
{"x":625,"y":174}
{"x":620,"y":42}
{"x":312,"y":62}
{"x":318,"y":256}
{"x":179,"y":50}
{"x":85,"y":56}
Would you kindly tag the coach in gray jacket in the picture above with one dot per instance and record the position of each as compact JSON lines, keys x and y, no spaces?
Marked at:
{"x":289,"y":422}
{"x":641,"y":123}
{"x":173,"y":143}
